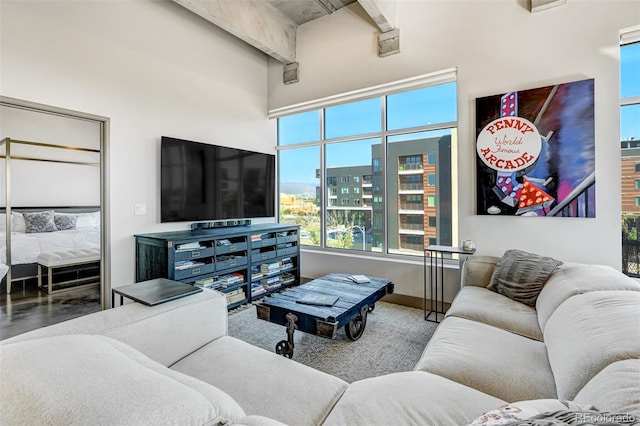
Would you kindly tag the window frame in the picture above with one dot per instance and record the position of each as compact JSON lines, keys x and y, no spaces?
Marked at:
{"x":382,"y":91}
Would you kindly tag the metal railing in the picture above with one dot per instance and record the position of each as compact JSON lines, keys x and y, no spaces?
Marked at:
{"x":631,"y":257}
{"x":412,"y":226}
{"x":411,"y":187}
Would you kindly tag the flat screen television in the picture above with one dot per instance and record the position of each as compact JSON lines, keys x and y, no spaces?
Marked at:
{"x":204,"y":182}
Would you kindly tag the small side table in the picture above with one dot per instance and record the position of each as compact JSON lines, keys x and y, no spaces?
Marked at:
{"x":153,"y":292}
{"x":435,"y":252}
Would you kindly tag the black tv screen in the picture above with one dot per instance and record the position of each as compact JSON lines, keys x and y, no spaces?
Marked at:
{"x":201,"y":182}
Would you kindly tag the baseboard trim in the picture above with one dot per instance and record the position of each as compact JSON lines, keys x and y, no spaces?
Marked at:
{"x":411,"y":301}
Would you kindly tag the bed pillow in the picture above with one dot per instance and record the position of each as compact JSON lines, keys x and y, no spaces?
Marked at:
{"x":86,"y":221}
{"x":520,"y":275}
{"x":65,"y":221}
{"x":40,"y":222}
{"x":18,"y":223}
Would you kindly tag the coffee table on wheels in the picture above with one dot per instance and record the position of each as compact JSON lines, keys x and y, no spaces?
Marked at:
{"x":296,"y":308}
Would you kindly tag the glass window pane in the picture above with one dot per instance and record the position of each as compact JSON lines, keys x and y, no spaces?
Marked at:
{"x":630,"y":122}
{"x":630,"y":70}
{"x":356,"y":118}
{"x":431,"y":105}
{"x":299,"y":183}
{"x":419,"y":173}
{"x":298,"y":128}
{"x":354,"y":195}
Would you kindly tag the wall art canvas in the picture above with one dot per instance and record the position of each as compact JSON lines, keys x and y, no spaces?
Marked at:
{"x":536,"y":152}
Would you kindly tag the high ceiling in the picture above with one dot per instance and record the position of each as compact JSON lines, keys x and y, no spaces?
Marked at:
{"x":271,"y":25}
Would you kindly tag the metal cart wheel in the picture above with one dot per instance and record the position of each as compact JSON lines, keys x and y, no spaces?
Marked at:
{"x":355,"y":327}
{"x":284,"y":348}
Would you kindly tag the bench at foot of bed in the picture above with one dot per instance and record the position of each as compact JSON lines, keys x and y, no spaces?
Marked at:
{"x":79,"y":267}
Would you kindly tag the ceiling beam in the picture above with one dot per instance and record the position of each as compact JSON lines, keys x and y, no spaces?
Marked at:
{"x":383,"y":13}
{"x":254,"y":21}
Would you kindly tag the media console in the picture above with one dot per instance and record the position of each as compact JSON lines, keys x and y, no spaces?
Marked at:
{"x":245,"y":262}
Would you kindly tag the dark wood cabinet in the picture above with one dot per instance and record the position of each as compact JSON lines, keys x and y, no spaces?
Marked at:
{"x":245,"y":262}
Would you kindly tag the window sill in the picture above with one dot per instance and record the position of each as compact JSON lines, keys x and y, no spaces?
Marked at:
{"x":379,"y":257}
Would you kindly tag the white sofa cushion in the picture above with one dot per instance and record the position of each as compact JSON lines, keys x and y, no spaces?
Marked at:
{"x":488,"y":307}
{"x":573,"y":279}
{"x":95,"y":380}
{"x":616,"y":388}
{"x":489,"y":359}
{"x":588,"y":332}
{"x":409,"y":398}
{"x":477,"y":270}
{"x":264,"y":383}
{"x":165,"y":332}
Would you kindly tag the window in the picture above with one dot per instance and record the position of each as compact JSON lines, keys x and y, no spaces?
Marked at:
{"x":629,"y":143}
{"x":395,"y":150}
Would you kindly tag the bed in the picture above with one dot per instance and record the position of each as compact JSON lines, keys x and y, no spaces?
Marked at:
{"x":76,"y":228}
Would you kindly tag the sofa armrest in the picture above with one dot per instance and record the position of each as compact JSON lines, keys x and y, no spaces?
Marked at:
{"x":165,"y":333}
{"x":477,"y":270}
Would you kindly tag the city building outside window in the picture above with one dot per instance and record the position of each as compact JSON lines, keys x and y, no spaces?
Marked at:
{"x":389,"y":155}
{"x":630,"y":149}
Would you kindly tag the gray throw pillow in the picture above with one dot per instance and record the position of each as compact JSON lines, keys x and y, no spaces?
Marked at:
{"x":40,"y":222}
{"x":520,"y":276}
{"x":65,"y":221}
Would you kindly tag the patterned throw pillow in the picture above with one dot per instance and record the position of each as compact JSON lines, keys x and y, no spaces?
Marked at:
{"x":40,"y":222}
{"x":520,"y":275}
{"x":515,"y":412}
{"x":65,"y":221}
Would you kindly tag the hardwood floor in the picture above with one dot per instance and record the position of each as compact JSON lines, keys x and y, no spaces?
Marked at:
{"x":28,"y":308}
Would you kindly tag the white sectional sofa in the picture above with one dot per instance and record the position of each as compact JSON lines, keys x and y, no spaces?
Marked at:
{"x":175,"y":364}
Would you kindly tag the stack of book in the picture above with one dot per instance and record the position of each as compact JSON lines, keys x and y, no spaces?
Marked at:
{"x":231,"y":279}
{"x":256,"y":272}
{"x":257,"y":289}
{"x":270,"y":268}
{"x":271,"y":283}
{"x":209,"y":282}
{"x":286,"y":263}
{"x":287,"y":278}
{"x":235,"y":296}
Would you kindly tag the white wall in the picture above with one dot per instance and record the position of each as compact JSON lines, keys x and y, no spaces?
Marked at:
{"x":497,"y":46}
{"x":153,"y":68}
{"x":49,"y":184}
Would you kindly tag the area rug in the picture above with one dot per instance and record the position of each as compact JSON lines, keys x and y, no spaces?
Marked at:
{"x":393,"y":341}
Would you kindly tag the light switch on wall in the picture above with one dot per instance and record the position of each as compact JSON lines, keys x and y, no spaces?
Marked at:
{"x":140,"y":209}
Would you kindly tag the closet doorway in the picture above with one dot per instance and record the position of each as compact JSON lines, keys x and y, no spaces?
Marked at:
{"x":53,"y":215}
